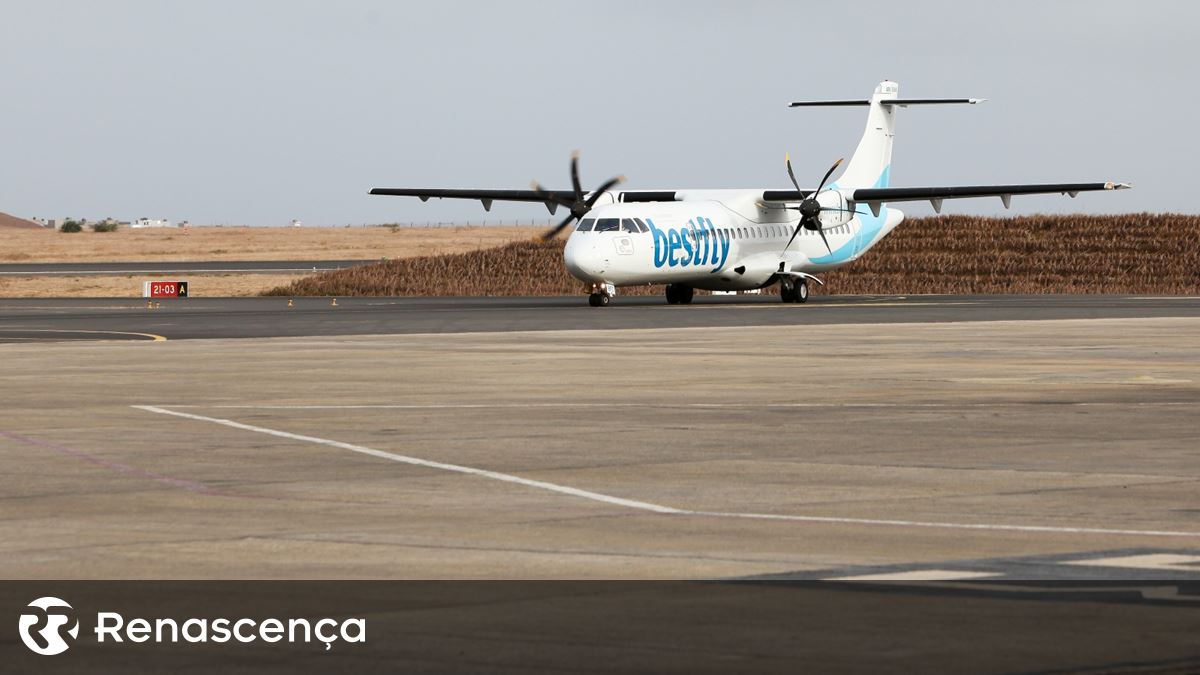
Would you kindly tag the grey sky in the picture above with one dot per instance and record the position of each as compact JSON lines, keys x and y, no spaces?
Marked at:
{"x":260,"y":112}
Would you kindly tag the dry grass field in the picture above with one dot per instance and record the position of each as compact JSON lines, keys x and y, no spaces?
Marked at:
{"x":19,"y":245}
{"x":1134,"y":253}
{"x":250,"y":243}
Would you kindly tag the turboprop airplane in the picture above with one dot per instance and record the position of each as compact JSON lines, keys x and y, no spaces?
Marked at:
{"x":730,"y":240}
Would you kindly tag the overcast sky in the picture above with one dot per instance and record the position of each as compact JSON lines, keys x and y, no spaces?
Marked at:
{"x":258,"y":112}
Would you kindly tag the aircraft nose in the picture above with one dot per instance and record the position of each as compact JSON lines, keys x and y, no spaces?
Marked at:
{"x":582,"y":259}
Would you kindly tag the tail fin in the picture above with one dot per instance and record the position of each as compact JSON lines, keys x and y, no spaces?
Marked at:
{"x":870,"y":165}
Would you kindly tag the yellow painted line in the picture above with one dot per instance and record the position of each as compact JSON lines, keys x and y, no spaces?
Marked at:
{"x":151,"y":336}
{"x":816,"y":305}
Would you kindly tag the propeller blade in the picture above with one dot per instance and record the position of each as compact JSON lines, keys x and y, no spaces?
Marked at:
{"x":794,"y":233}
{"x":602,"y":189}
{"x":552,"y":233}
{"x":788,"y":160}
{"x":822,"y":233}
{"x":548,"y":197}
{"x":828,"y":173}
{"x":575,"y":176}
{"x":830,"y":208}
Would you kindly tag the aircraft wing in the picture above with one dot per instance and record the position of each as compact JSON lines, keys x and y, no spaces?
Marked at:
{"x":489,"y":196}
{"x":877,"y":196}
{"x":485,"y":196}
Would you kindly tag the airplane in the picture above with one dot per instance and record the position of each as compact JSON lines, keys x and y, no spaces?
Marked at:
{"x":738,"y":240}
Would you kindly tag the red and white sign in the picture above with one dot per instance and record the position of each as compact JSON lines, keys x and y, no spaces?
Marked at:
{"x":165,"y":289}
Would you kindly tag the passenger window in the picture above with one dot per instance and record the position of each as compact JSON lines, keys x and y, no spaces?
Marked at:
{"x":627,"y":225}
{"x":585,"y":225}
{"x":608,"y":224}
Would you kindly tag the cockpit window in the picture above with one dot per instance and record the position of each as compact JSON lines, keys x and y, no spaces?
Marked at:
{"x":627,"y":225}
{"x":641,"y":225}
{"x":585,"y":225}
{"x":608,"y":224}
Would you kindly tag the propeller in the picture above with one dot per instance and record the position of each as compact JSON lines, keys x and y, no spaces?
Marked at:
{"x":810,"y":208}
{"x":578,"y":205}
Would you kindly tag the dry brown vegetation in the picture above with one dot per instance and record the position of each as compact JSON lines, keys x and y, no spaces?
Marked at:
{"x":250,"y":243}
{"x":1134,"y":253}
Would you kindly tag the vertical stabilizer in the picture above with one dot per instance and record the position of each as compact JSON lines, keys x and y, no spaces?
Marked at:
{"x":871,"y":162}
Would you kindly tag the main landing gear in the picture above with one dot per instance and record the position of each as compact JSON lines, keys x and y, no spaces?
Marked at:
{"x":793,"y":290}
{"x":678,"y":294}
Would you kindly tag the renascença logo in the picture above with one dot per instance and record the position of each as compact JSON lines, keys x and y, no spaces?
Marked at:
{"x":42,"y":627}
{"x":47,"y":622}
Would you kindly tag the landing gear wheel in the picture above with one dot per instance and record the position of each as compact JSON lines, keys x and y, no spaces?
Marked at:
{"x":800,"y":293}
{"x":598,"y":300}
{"x":787,"y":291}
{"x":679,"y":294}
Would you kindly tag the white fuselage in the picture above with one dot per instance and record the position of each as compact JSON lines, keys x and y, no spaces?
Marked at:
{"x":716,"y":240}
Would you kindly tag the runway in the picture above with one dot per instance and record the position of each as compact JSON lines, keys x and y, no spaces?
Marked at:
{"x":971,"y":438}
{"x":42,"y":319}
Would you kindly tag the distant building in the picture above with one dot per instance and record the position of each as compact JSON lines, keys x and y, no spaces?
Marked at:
{"x":295,"y":223}
{"x":150,"y":222}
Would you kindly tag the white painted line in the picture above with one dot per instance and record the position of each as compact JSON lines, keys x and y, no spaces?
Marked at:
{"x":918,"y":575}
{"x":382,"y":454}
{"x":658,"y":508}
{"x":952,"y":526}
{"x":609,"y":404}
{"x":1171,"y":562}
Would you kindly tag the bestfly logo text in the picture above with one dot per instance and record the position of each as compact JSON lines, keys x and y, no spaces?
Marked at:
{"x":696,"y":244}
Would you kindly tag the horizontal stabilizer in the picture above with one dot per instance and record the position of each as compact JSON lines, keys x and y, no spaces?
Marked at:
{"x":889,"y":101}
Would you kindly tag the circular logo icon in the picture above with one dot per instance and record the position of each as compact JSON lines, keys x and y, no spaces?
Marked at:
{"x":44,"y":623}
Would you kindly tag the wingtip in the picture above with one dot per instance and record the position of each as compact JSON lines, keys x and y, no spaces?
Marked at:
{"x":1112,"y":185}
{"x":974,"y":101}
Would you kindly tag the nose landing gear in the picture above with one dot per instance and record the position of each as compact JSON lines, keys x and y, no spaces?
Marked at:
{"x":601,"y":294}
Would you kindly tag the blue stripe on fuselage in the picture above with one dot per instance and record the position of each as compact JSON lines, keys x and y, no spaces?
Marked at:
{"x":871,"y":226}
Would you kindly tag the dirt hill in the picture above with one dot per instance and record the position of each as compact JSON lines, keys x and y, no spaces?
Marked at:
{"x":7,"y":221}
{"x":1132,"y":253}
